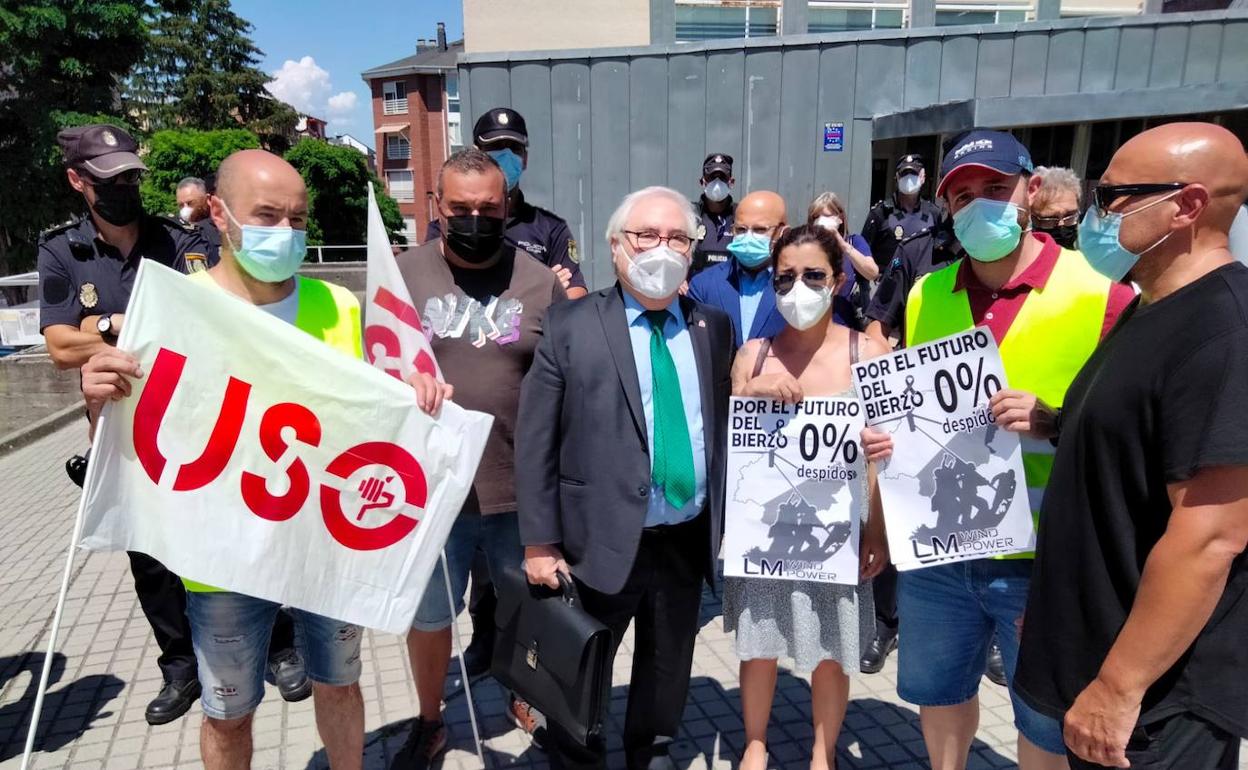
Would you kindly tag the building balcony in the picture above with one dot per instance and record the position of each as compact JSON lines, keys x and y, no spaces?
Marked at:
{"x":394,"y":106}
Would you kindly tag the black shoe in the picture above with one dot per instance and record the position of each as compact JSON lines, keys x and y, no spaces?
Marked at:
{"x":480,"y":654}
{"x":996,"y":665}
{"x":288,"y":674}
{"x":426,"y":742}
{"x":174,"y":700}
{"x":877,"y":652}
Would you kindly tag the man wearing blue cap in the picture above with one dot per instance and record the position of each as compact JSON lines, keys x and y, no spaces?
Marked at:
{"x":1029,"y":292}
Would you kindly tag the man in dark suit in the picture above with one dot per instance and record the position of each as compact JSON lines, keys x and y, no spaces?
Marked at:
{"x":622,"y":433}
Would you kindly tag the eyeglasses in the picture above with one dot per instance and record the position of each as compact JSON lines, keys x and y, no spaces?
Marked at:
{"x":1061,"y":220}
{"x":1105,"y":194}
{"x":650,"y":239}
{"x":131,"y":177}
{"x":756,"y":229}
{"x":784,"y":282}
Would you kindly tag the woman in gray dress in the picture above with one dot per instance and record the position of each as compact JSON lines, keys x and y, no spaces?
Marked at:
{"x":821,"y":626}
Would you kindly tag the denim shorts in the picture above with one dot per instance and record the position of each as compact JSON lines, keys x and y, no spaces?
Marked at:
{"x":230,"y":633}
{"x":948,"y":615}
{"x":497,"y":535}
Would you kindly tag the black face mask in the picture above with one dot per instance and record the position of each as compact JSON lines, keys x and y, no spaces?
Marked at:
{"x":474,"y":238}
{"x":118,"y":204}
{"x":1065,"y":235}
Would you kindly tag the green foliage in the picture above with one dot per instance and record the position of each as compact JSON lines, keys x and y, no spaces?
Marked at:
{"x":200,"y":72}
{"x":337,"y":179}
{"x":174,"y":155}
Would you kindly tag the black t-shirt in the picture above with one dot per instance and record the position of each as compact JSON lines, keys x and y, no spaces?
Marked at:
{"x":914,"y":258}
{"x":1162,"y":397}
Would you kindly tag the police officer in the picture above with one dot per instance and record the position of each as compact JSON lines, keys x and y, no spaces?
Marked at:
{"x":914,"y":258}
{"x":905,"y":215}
{"x":86,"y":272}
{"x":716,"y":213}
{"x":501,"y":132}
{"x":192,"y":196}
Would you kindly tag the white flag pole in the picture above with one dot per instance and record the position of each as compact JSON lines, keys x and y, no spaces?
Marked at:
{"x":463,"y":667}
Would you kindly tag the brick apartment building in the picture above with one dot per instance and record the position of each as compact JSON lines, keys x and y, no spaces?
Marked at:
{"x":416,"y":118}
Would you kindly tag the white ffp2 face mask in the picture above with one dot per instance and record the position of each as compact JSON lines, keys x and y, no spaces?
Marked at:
{"x":185,"y":213}
{"x":658,"y":272}
{"x":803,"y":306}
{"x":909,"y":184}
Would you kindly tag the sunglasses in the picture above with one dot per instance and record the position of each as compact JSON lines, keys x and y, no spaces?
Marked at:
{"x":1105,"y":194}
{"x":814,"y":278}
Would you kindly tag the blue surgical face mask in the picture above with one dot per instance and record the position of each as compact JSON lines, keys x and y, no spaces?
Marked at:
{"x":1098,"y":240}
{"x":988,"y":229}
{"x":750,"y":249}
{"x":511,"y":164}
{"x":269,"y":254}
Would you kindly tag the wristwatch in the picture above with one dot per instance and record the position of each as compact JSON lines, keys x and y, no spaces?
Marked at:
{"x":105,"y":326}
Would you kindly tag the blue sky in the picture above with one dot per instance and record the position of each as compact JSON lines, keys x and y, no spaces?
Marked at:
{"x":316,"y":49}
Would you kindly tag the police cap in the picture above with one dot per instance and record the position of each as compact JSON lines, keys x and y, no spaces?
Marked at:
{"x":996,"y":151}
{"x":717,"y":164}
{"x":501,"y":124}
{"x":103,"y":151}
{"x":910,"y":164}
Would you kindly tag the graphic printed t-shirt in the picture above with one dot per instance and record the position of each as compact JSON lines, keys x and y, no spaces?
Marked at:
{"x":1161,"y":399}
{"x":484,"y":326}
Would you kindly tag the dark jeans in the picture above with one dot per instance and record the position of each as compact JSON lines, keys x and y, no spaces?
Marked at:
{"x":662,"y":597}
{"x":1180,"y":741}
{"x":884,"y":590}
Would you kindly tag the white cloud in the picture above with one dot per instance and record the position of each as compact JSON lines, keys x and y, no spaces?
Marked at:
{"x":303,"y":85}
{"x":341,"y":105}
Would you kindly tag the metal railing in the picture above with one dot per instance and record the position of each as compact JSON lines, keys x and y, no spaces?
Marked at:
{"x":323,"y":254}
{"x":398,"y":150}
{"x":397,"y":106}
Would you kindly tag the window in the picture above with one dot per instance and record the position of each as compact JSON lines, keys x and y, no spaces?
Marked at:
{"x":394,"y":97}
{"x":454,"y":131}
{"x":397,"y":147}
{"x":948,"y":17}
{"x":409,"y":228}
{"x":845,"y":16}
{"x":701,"y":22}
{"x":400,"y":186}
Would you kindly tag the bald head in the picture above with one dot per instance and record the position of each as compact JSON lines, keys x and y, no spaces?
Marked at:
{"x":258,"y":188}
{"x":255,"y":169}
{"x":763,"y":206}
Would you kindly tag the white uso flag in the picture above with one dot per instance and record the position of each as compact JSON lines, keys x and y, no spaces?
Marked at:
{"x":254,"y":457}
{"x":394,"y":339}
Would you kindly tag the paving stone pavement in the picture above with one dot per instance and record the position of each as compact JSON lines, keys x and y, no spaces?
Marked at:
{"x":105,"y":672}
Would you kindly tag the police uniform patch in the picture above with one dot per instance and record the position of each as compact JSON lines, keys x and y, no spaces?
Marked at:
{"x":87,"y":295}
{"x":899,"y":232}
{"x":195,"y":262}
{"x":701,"y":232}
{"x":503,"y":119}
{"x":573,"y":254}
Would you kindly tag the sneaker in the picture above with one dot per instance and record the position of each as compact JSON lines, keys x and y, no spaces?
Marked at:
{"x":528,"y":719}
{"x":426,"y":742}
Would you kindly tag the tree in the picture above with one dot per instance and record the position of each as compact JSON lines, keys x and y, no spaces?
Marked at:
{"x":61,"y":62}
{"x":174,"y":155}
{"x":338,"y":196}
{"x":200,"y":73}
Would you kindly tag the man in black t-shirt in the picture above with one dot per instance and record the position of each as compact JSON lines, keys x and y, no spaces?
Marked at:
{"x":1136,"y":630}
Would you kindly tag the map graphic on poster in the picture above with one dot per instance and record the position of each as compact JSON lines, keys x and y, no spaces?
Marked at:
{"x":796,"y":485}
{"x":954,"y":487}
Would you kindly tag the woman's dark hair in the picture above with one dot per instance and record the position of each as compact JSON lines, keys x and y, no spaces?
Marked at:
{"x":800,"y":236}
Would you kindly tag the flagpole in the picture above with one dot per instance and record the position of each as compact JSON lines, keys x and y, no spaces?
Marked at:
{"x":463,"y":667}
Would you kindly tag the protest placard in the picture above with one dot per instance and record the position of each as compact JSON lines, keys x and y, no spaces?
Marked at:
{"x":954,"y":487}
{"x":796,"y":489}
{"x":253,"y":457}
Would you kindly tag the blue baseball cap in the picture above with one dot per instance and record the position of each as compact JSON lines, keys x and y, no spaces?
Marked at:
{"x":980,"y":148}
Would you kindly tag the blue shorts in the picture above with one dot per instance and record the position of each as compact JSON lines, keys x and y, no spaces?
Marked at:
{"x":495,"y":534}
{"x":948,"y":615}
{"x":230,"y":633}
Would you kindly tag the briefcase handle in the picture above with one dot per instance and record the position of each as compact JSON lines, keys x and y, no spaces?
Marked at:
{"x":568,"y":589}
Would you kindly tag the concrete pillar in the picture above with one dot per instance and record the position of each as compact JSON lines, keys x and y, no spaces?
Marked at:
{"x":1048,"y":9}
{"x":1082,"y":146}
{"x":1152,"y":6}
{"x":794,"y":17}
{"x":922,"y":13}
{"x":662,"y":22}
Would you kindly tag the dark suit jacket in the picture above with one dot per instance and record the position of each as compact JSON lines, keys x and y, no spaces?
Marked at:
{"x":720,"y":286}
{"x":582,"y":456}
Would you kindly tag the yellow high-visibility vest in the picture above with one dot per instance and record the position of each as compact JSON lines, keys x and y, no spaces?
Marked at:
{"x":1049,"y":341}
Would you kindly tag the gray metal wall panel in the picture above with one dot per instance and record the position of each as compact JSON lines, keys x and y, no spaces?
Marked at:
{"x":801,"y":133}
{"x":571,"y":142}
{"x":1234,"y":62}
{"x":759,"y":169}
{"x":1031,"y":55}
{"x":837,"y":71}
{"x":466,"y":116}
{"x":856,"y":196}
{"x":1135,"y":55}
{"x":1169,"y":54}
{"x":725,"y":104}
{"x":491,"y":87}
{"x":1064,"y":62}
{"x":1100,"y":59}
{"x":1203,"y":49}
{"x":922,"y":79}
{"x":686,"y":124}
{"x":881,"y":78}
{"x":648,"y":120}
{"x":609,"y":105}
{"x":992,"y":71}
{"x":530,"y":96}
{"x":958,"y":60}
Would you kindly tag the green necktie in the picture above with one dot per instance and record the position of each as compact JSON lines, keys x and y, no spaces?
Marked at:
{"x":672,"y":463}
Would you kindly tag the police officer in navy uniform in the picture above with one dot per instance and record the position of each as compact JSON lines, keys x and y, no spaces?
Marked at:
{"x":545,"y":236}
{"x":192,"y":194}
{"x":716,"y":213}
{"x":87,"y":269}
{"x":904,"y":216}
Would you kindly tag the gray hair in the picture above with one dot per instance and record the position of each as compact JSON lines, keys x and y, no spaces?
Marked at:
{"x":1055,"y":179}
{"x":618,"y":220}
{"x":470,"y":161}
{"x":192,"y":181}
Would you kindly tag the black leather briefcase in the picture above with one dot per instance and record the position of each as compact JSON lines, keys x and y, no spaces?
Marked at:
{"x":552,"y":653}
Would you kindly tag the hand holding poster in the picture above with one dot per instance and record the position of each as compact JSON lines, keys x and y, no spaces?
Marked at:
{"x":954,"y":487}
{"x":253,"y":457}
{"x":796,"y":490}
